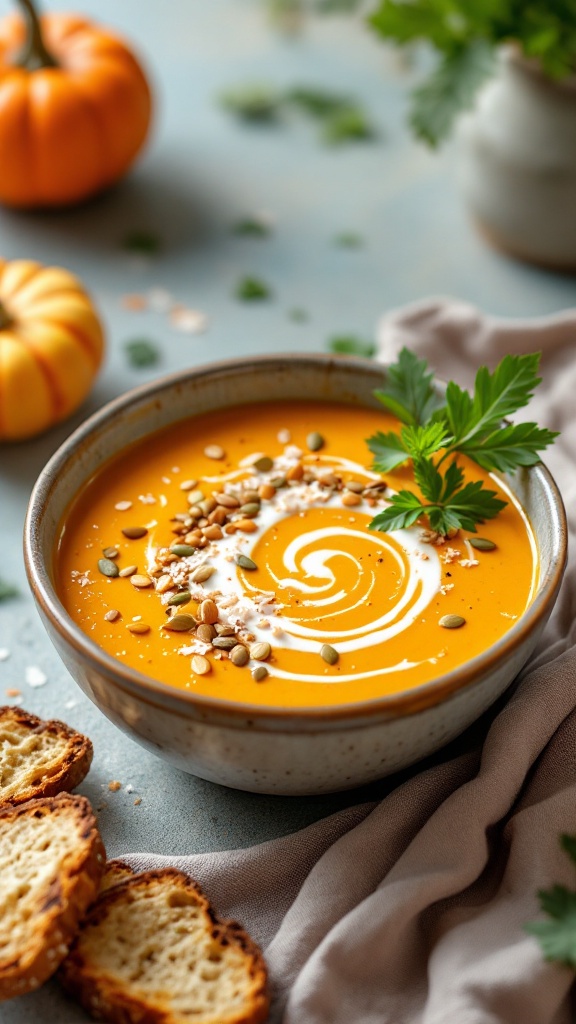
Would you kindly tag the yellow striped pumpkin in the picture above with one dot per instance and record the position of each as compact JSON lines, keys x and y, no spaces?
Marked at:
{"x":51,"y":345}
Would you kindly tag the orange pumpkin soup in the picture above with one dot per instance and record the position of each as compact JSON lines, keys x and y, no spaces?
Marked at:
{"x":230,"y":555}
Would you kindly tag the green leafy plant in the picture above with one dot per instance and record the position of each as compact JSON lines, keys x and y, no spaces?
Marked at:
{"x":557,"y":936}
{"x":459,"y":424}
{"x":466,"y":34}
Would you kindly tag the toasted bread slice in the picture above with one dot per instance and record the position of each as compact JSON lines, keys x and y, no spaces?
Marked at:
{"x":51,"y":862}
{"x":115,"y":873}
{"x":37,"y":758}
{"x":152,"y":950}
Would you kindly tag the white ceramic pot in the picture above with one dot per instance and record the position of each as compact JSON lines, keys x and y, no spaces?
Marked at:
{"x":518,"y":162}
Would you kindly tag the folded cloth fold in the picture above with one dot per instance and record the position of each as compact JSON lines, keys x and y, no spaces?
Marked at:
{"x":411,"y":910}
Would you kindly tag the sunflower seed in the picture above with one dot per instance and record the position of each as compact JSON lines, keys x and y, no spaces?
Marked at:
{"x":181,"y":598}
{"x":112,"y":615}
{"x":200,"y":665}
{"x":224,"y":643}
{"x":208,"y":612}
{"x":206,"y":632}
{"x":140,"y":582}
{"x":202,"y":573}
{"x":138,"y":627}
{"x":128,"y":570}
{"x":214,"y":451}
{"x":263,"y":464}
{"x":239,"y":655}
{"x":261,"y":651}
{"x":110,"y":552}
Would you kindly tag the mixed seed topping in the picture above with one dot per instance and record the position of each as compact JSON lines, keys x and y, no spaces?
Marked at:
{"x":180,"y":573}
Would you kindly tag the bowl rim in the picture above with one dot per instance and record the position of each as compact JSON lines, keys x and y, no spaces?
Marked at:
{"x":395,"y":705}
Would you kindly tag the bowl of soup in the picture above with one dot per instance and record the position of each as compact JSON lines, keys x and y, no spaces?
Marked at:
{"x":201,"y":557}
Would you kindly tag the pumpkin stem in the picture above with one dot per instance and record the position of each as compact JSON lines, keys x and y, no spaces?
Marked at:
{"x":33,"y":54}
{"x":5,"y":318}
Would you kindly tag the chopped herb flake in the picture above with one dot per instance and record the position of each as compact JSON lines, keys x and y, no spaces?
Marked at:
{"x":142,"y":352}
{"x":251,"y":289}
{"x":253,"y":102}
{"x":7,"y":590}
{"x":252,"y":227}
{"x":299,"y":316}
{"x":348,"y":344}
{"x":349,"y":240}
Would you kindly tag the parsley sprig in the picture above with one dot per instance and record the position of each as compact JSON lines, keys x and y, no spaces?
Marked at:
{"x":557,"y":936}
{"x":459,"y":424}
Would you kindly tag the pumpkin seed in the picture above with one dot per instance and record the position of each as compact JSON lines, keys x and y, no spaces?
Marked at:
{"x":107,"y":567}
{"x":110,"y":553}
{"x":315,"y":441}
{"x":200,"y":665}
{"x":239,"y":655}
{"x":250,"y":496}
{"x":245,"y":563}
{"x":482,"y":543}
{"x":223,"y":630}
{"x":140,"y":582}
{"x":182,"y":598}
{"x":263,"y":464}
{"x":183,"y":550}
{"x":202,"y":573}
{"x":134,"y":532}
{"x":261,"y":651}
{"x":452,"y":621}
{"x":128,"y":570}
{"x":180,"y":623}
{"x":260,"y":673}
{"x":214,"y":451}
{"x":250,"y":509}
{"x":278,"y":482}
{"x":208,"y":612}
{"x":224,"y":643}
{"x":138,"y":627}
{"x":112,"y":615}
{"x":329,"y":654}
{"x":164,"y":583}
{"x":206,"y":632}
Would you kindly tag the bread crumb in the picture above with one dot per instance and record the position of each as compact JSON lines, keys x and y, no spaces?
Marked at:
{"x":35,"y":676}
{"x":13,"y":693}
{"x":114,"y":786}
{"x":4,"y":653}
{"x":137,"y":801}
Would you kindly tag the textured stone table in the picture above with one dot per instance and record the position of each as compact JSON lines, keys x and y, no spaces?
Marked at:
{"x":201,"y":173}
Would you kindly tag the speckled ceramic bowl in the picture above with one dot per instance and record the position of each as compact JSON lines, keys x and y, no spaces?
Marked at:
{"x":289,"y":751}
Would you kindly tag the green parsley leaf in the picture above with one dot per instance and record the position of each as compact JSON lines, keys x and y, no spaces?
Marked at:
{"x":253,"y":102}
{"x":510,"y":447}
{"x":557,"y":937}
{"x":251,"y":289}
{"x":467,"y":507}
{"x":496,"y":395}
{"x":422,"y":442}
{"x":147,"y":243}
{"x":404,"y":509}
{"x":141,"y":352}
{"x":7,"y":590}
{"x":350,"y":345}
{"x":450,"y":90}
{"x":252,"y":227}
{"x":408,"y":392}
{"x":388,"y":450}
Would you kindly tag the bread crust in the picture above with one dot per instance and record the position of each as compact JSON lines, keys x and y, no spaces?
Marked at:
{"x":71,"y":769}
{"x":105,"y":999}
{"x":67,"y":899}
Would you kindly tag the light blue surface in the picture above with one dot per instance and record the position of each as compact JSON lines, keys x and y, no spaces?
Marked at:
{"x":201,"y":173}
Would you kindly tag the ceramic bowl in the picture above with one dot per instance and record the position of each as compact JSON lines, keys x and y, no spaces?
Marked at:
{"x":284,"y":751}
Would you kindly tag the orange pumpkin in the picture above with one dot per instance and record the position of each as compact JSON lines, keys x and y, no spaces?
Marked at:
{"x":74,"y":109}
{"x":51,"y":346}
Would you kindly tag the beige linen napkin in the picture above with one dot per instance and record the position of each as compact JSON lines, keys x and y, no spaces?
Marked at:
{"x":411,"y":911}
